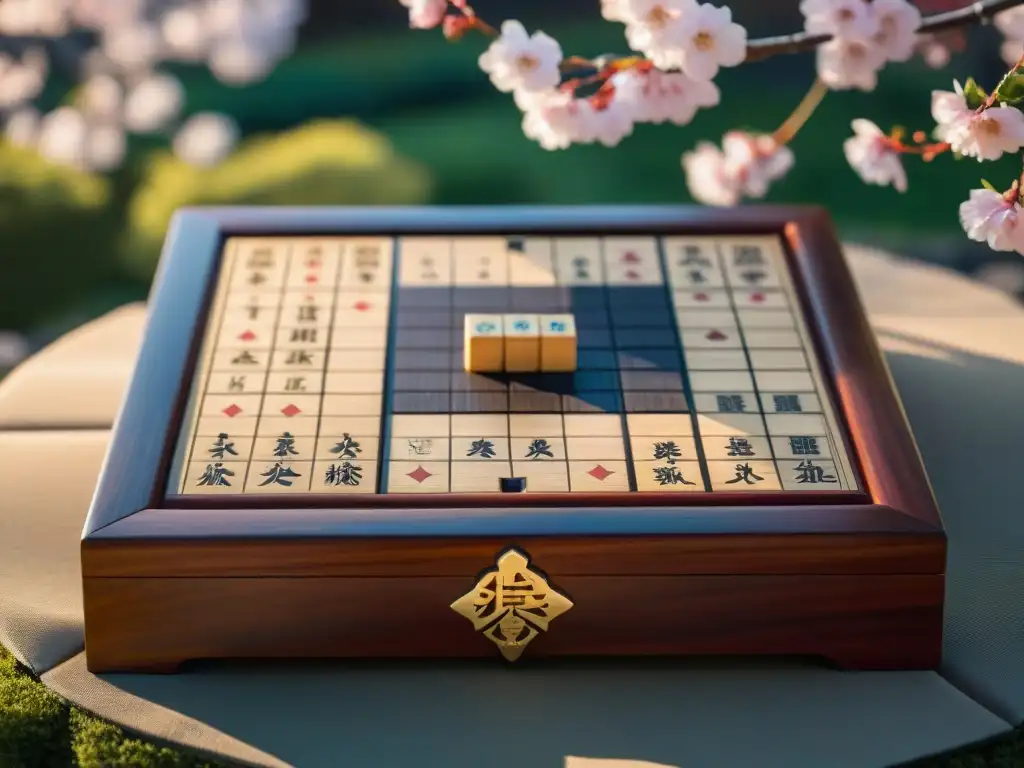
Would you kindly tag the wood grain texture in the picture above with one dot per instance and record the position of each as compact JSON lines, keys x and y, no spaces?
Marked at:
{"x":856,"y":577}
{"x":176,"y":556}
{"x":857,"y":622}
{"x":138,"y":458}
{"x":857,"y":372}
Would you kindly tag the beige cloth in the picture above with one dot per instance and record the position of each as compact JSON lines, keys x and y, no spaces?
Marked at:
{"x":78,"y":381}
{"x":956,"y":353}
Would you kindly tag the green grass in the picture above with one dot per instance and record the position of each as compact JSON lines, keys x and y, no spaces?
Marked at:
{"x":40,"y":730}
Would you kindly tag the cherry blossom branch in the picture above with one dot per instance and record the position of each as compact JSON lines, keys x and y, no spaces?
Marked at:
{"x":766,"y":47}
{"x":785,"y":132}
{"x":680,"y":46}
{"x":465,"y":19}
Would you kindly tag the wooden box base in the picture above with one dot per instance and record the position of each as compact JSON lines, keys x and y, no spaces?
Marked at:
{"x":855,"y":622}
{"x":858,"y":601}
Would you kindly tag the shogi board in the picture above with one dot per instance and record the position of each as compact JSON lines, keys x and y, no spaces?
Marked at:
{"x":304,"y":468}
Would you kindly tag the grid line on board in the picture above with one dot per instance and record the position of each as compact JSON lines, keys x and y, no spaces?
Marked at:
{"x":197,"y":394}
{"x":730,"y":292}
{"x":691,"y":405}
{"x":627,"y":447}
{"x":270,"y":356}
{"x":659,"y":375}
{"x":384,"y":446}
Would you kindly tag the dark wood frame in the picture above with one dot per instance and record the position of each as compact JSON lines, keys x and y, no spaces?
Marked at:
{"x":148,"y":567}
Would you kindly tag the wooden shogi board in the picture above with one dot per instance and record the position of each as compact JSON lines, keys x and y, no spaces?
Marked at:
{"x":304,"y":468}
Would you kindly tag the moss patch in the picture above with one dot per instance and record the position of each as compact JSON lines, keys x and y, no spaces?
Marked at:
{"x":39,"y":730}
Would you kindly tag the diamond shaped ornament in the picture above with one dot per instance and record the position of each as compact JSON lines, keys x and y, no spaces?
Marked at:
{"x":512,"y":604}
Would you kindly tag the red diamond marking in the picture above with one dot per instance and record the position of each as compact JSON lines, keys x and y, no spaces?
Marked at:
{"x":419,"y":474}
{"x":757,"y":298}
{"x":600,"y":473}
{"x":247,"y":336}
{"x":632,"y":274}
{"x":701,"y":297}
{"x":231,"y":410}
{"x":715,"y":336}
{"x":312,"y":279}
{"x":362,"y":306}
{"x":630,"y":257}
{"x":291,"y":410}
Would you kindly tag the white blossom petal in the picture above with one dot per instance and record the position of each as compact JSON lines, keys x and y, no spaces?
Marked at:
{"x":988,"y":218}
{"x":746,"y":166}
{"x":654,"y":28}
{"x":1011,"y":23}
{"x":848,"y":19}
{"x":153,"y":103}
{"x":105,"y":147}
{"x":658,"y":97}
{"x":206,"y":139}
{"x":710,"y":39}
{"x":987,"y":135}
{"x":845,"y":64}
{"x":871,"y":155}
{"x":62,"y":136}
{"x":898,"y":22}
{"x":426,"y":14}
{"x":518,"y":62}
{"x":706,"y":176}
{"x":22,"y":127}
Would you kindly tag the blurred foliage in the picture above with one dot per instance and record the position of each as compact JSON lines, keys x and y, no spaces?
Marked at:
{"x":334,"y":162}
{"x":56,"y":229}
{"x":399,"y":116}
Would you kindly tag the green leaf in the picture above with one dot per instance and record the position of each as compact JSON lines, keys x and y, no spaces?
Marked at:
{"x":1011,"y":89}
{"x":988,"y":185}
{"x":974,"y":94}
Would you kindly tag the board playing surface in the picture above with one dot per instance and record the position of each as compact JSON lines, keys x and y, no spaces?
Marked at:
{"x":335,"y":365}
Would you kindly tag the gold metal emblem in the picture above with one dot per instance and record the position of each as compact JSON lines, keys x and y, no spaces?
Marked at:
{"x":512,"y":604}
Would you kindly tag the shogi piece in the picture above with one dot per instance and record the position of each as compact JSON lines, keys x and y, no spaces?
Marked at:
{"x":557,"y":343}
{"x":522,"y":343}
{"x":484,"y":343}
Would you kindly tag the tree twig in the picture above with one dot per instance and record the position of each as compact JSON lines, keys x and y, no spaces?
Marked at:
{"x":785,"y":132}
{"x":763,"y":48}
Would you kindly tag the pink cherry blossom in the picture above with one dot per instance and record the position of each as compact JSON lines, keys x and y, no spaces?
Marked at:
{"x":554,"y":119}
{"x":745,"y":167}
{"x":557,"y":119}
{"x":1011,"y":50}
{"x":710,"y":39}
{"x":898,"y":22}
{"x":988,"y":217}
{"x":756,"y":160}
{"x":519,"y":61}
{"x":608,"y":124}
{"x":933,"y":50}
{"x":614,"y":10}
{"x":425,"y":14}
{"x":653,"y":27}
{"x":850,"y":19}
{"x":985,"y":135}
{"x":708,"y":178}
{"x":871,"y":154}
{"x":1011,"y":23}
{"x":658,"y":97}
{"x":845,"y":64}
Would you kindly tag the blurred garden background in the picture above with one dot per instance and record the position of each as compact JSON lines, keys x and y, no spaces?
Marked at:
{"x":340,"y":103}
